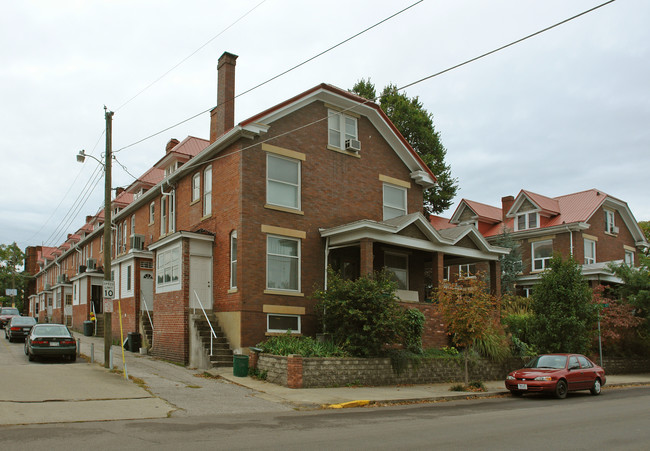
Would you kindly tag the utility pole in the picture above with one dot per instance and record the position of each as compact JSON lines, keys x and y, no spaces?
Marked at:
{"x":108,"y":323}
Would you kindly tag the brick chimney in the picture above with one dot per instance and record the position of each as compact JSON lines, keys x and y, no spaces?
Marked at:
{"x":171,"y":144}
{"x":506,"y":205}
{"x":222,"y":117}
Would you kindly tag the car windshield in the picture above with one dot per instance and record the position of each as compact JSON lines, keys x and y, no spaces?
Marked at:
{"x":548,"y":361}
{"x":23,"y":321}
{"x":50,"y":329}
{"x":9,"y":311}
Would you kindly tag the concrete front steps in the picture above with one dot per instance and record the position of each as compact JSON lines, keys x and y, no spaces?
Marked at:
{"x":221,"y":352}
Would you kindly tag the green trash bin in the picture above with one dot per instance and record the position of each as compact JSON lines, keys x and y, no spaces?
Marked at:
{"x":240,"y":365}
{"x":89,"y":328}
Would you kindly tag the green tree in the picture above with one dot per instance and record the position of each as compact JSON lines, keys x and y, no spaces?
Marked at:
{"x":468,"y":310}
{"x":11,"y":262}
{"x":364,"y":315}
{"x":511,"y":265}
{"x":415,"y":123}
{"x":636,"y":286}
{"x":645,"y":228}
{"x":564,"y":314}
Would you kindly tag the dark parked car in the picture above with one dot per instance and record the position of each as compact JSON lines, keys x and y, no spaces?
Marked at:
{"x":19,"y":327}
{"x":6,"y":313}
{"x":50,"y":340}
{"x":557,"y":374}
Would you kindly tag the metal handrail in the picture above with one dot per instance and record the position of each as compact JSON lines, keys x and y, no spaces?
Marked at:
{"x":213,"y":334}
{"x":146,"y":308}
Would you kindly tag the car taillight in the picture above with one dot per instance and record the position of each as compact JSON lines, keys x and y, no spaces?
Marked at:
{"x":68,"y":342}
{"x":15,"y":328}
{"x":40,"y":342}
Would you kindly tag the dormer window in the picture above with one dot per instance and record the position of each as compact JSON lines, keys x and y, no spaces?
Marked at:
{"x":341,"y":128}
{"x":525,"y":221}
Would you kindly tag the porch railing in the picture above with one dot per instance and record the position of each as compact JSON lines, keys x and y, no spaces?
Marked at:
{"x":212,"y":333}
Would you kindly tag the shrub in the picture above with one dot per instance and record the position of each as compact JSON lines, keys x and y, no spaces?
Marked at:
{"x":288,"y":344}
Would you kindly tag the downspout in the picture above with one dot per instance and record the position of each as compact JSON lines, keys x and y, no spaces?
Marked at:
{"x":327,"y":253}
{"x":570,"y":240}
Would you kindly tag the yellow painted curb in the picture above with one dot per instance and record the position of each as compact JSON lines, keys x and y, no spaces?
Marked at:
{"x":344,"y":405}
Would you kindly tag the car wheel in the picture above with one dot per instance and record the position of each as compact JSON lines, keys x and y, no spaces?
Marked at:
{"x":73,"y":358}
{"x":561,"y":389}
{"x":595,"y":390}
{"x":31,"y":357}
{"x":11,"y":340}
{"x":26,"y":352}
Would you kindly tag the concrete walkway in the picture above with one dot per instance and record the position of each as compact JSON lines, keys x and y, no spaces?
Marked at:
{"x":311,"y":398}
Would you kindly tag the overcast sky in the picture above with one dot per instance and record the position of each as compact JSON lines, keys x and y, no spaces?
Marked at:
{"x":563,"y":112}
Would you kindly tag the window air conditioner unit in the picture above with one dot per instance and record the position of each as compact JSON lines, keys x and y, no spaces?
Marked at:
{"x":614,"y":229}
{"x":81,"y":269}
{"x":61,"y":279}
{"x":47,"y":287}
{"x":91,"y":263}
{"x":352,"y":144}
{"x":137,"y":242}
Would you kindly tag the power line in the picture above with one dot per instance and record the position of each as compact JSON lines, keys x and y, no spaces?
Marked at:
{"x":274,"y":77}
{"x":191,"y":55}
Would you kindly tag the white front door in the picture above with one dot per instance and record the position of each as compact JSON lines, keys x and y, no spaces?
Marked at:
{"x":200,"y":282}
{"x":146,"y":290}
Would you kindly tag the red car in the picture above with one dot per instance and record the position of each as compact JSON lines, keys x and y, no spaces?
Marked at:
{"x":557,"y":374}
{"x":6,"y":313}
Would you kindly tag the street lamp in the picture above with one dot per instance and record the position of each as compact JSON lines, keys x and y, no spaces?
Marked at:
{"x":81,"y":157}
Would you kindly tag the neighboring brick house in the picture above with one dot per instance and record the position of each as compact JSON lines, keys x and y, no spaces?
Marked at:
{"x":591,"y":225}
{"x":244,"y":225}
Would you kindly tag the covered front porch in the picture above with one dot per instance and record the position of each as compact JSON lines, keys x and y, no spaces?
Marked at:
{"x":420,"y":257}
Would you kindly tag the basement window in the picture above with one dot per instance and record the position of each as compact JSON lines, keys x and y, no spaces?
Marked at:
{"x":283,"y":323}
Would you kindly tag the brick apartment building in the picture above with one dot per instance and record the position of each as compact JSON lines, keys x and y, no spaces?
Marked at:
{"x":594,"y":227}
{"x":243,"y":226}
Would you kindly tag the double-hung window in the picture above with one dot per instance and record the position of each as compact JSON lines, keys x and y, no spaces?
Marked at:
{"x":398,"y":266}
{"x":282,"y":181}
{"x":610,"y":225}
{"x":394,"y":201}
{"x":163,"y":215}
{"x":542,"y":251}
{"x":282,"y":263}
{"x":233,"y":259}
{"x":152,"y":211}
{"x":467,"y":271}
{"x":172,"y":212}
{"x":629,"y":258}
{"x":590,"y":251}
{"x":527,"y":220}
{"x":196,"y":187}
{"x":207,"y":191}
{"x":341,"y":128}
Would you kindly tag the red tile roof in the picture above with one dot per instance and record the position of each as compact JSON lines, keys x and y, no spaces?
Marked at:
{"x":545,"y":203}
{"x":440,"y":223}
{"x":484,"y":211}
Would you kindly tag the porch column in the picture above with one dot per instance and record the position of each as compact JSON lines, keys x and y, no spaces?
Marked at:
{"x":366,"y":257}
{"x":437,"y":269}
{"x":495,"y":278}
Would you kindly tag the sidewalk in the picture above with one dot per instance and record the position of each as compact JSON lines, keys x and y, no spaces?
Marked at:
{"x":313,"y":398}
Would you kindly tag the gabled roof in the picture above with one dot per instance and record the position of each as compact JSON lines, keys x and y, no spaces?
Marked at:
{"x":123,"y":199}
{"x":150,"y":178}
{"x":483,"y":212}
{"x":545,"y":205}
{"x":348,"y":101}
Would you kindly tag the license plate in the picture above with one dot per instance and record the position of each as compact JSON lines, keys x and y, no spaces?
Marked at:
{"x":54,"y":343}
{"x":522,"y":387}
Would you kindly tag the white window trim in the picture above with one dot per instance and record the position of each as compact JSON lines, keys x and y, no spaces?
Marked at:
{"x":274,"y":331}
{"x":172,"y":285}
{"x":171,"y":212}
{"x":299,"y":257}
{"x":629,"y":253}
{"x":233,"y":260}
{"x":464,"y":270}
{"x":341,"y":130}
{"x":544,"y":260}
{"x":526,"y":215}
{"x":298,"y":186}
{"x":152,"y":212}
{"x":196,"y":187}
{"x":163,"y":215}
{"x":610,"y":221}
{"x":207,"y":191}
{"x":393,"y":207}
{"x":592,"y":245}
